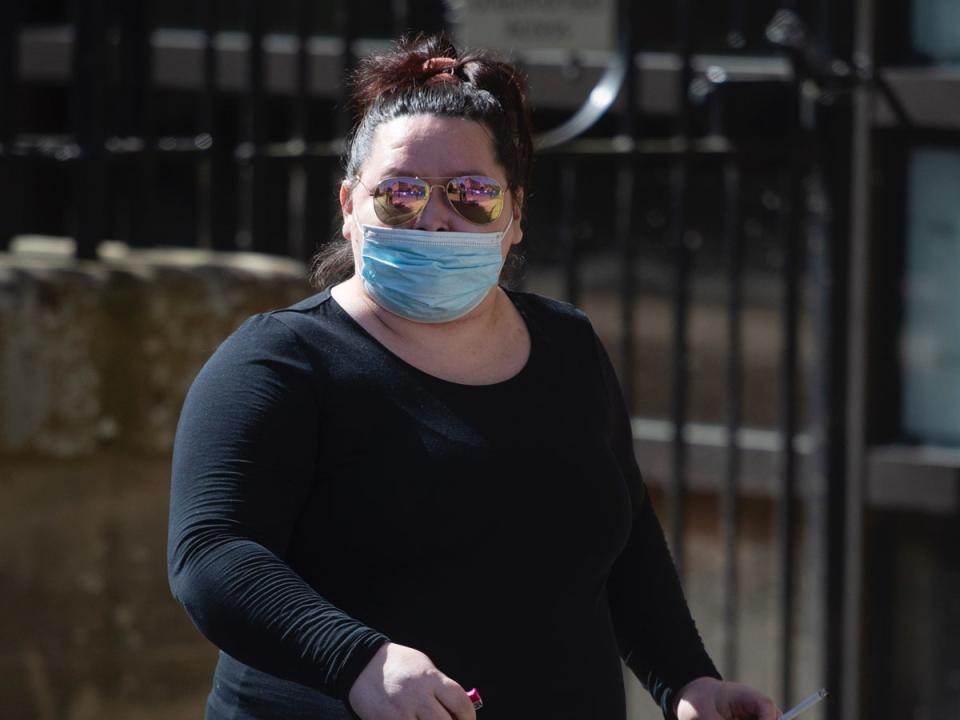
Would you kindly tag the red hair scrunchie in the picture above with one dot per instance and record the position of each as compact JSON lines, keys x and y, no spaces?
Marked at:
{"x":442,"y":69}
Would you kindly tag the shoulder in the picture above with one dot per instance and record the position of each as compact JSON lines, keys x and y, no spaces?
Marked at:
{"x":294,"y":325}
{"x":311,"y":310}
{"x":274,"y":335}
{"x":554,"y":316}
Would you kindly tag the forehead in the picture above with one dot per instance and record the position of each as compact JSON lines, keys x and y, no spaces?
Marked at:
{"x":432,"y":146}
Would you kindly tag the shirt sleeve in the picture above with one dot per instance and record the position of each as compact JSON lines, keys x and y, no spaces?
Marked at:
{"x":657,"y":636}
{"x":244,"y":462}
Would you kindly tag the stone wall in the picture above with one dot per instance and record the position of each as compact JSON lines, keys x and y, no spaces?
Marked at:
{"x":95,"y":359}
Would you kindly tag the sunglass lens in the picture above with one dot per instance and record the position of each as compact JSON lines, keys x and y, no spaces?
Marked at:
{"x":478,"y":199}
{"x":396,"y":200}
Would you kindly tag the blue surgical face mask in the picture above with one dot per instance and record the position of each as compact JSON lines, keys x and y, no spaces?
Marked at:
{"x":429,"y":276}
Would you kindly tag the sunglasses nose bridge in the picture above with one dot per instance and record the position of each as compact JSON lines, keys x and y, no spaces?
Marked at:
{"x":444,"y":197}
{"x":438,"y":186}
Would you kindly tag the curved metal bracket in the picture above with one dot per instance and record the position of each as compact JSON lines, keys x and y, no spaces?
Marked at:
{"x":601,"y":98}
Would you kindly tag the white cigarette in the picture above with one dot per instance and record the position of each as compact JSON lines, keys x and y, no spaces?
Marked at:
{"x":804,"y":704}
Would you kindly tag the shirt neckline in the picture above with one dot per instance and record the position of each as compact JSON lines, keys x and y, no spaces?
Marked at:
{"x":511,"y":381}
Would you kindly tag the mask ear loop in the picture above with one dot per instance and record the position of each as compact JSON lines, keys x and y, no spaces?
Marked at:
{"x":507,"y":228}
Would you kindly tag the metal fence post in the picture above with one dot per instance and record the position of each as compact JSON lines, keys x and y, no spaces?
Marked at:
{"x":857,"y":339}
{"x":9,"y":52}
{"x":88,"y":122}
{"x":681,"y":289}
{"x":626,"y":177}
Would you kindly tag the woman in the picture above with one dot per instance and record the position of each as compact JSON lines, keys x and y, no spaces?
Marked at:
{"x":416,"y":481}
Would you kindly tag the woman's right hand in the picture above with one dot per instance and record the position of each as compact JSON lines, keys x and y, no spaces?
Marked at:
{"x":401,"y":683}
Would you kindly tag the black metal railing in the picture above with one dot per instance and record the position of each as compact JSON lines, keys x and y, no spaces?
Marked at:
{"x":265,"y":171}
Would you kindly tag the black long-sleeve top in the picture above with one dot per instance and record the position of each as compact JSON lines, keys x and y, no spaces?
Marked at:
{"x":328,"y":496}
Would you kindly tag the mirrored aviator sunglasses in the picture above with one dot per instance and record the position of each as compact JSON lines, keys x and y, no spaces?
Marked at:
{"x":475,"y":198}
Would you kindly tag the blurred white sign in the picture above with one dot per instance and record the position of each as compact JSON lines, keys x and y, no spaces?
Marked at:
{"x":512,"y":25}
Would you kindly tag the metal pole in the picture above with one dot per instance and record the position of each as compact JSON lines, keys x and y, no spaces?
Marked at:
{"x":737,"y":36}
{"x":681,"y":295}
{"x":255,"y":185}
{"x":9,"y":70}
{"x":299,"y":169}
{"x":730,"y":498}
{"x":566,"y":232}
{"x":858,"y":339}
{"x":791,"y":229}
{"x":401,"y":16}
{"x":828,"y":179}
{"x":625,"y":205}
{"x":218,"y":167}
{"x":87,"y":110}
{"x":143,"y":226}
{"x":347,"y":32}
{"x":825,"y":503}
{"x":207,"y":135}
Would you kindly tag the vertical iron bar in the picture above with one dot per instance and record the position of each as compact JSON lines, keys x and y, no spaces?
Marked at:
{"x":858,"y":339}
{"x":567,"y":233}
{"x":9,"y":71}
{"x":828,"y":176}
{"x":825,"y":518}
{"x":127,"y":115}
{"x":824,"y":20}
{"x":298,"y":178}
{"x":679,"y":191}
{"x":301,"y":109}
{"x":625,"y":193}
{"x":346,"y":30}
{"x":208,"y":139}
{"x":87,"y":110}
{"x":253,"y":235}
{"x":729,"y":497}
{"x":793,"y":219}
{"x":736,"y":35}
{"x":401,"y":16}
{"x":625,"y":204}
{"x":220,"y":194}
{"x":729,"y":501}
{"x":142,"y":225}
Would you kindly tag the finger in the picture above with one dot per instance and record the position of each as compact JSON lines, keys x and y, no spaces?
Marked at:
{"x":765,"y":709}
{"x":687,"y":710}
{"x":770,"y":711}
{"x":756,"y":707}
{"x":454,"y":699}
{"x":433,"y":710}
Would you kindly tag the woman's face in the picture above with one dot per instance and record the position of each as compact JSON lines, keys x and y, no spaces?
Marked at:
{"x":427,"y":146}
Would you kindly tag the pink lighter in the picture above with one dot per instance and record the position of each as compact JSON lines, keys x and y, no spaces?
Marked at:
{"x":474,"y":696}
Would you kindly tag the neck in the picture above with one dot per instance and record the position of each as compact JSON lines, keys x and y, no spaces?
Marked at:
{"x":479,"y":322}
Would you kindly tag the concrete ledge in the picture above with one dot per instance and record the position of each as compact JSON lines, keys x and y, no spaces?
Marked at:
{"x":102,"y":353}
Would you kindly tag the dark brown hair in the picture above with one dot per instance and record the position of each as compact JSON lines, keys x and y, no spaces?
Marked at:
{"x":474,"y":85}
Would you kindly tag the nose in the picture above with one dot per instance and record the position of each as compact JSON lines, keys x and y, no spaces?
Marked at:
{"x":436,"y":214}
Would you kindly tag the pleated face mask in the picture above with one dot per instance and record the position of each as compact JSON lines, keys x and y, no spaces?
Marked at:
{"x":430,"y":276}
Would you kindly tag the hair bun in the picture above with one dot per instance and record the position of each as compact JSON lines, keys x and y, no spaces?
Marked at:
{"x":440,"y":69}
{"x":424,"y":71}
